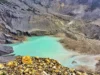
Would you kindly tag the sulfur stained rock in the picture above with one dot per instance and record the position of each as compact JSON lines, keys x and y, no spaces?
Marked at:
{"x":12,"y":64}
{"x":1,"y":66}
{"x":40,"y":66}
{"x":26,"y":60}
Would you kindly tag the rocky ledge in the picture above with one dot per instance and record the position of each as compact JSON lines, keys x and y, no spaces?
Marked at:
{"x":27,"y":65}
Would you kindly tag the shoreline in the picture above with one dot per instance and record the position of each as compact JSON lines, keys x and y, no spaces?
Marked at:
{"x":88,"y":55}
{"x":82,"y":46}
{"x":80,"y":57}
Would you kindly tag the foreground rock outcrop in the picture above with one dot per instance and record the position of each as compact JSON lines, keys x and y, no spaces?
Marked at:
{"x":37,"y":66}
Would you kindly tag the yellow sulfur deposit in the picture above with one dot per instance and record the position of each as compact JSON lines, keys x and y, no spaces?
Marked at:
{"x":12,"y":63}
{"x":21,"y":66}
{"x":1,"y":66}
{"x":27,"y":60}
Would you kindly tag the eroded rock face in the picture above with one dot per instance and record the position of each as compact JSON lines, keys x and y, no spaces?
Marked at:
{"x":92,"y":31}
{"x":85,"y":9}
{"x":42,"y":17}
{"x":19,"y":14}
{"x":25,"y":15}
{"x":5,"y":50}
{"x":28,"y":17}
{"x":36,"y":16}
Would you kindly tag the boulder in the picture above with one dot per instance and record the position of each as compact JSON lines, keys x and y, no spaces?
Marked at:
{"x":5,"y":50}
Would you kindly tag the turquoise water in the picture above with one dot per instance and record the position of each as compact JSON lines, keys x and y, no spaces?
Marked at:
{"x":44,"y":46}
{"x":49,"y":47}
{"x":39,"y":46}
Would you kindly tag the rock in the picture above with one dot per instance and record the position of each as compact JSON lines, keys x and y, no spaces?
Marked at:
{"x":19,"y":18}
{"x":10,"y":41}
{"x":44,"y":73}
{"x":2,"y":38}
{"x":7,"y":36}
{"x":4,"y":59}
{"x":46,"y":17}
{"x":16,"y":67}
{"x":5,"y":50}
{"x":98,"y":66}
{"x":92,"y":31}
{"x":86,"y":63}
{"x":41,"y":17}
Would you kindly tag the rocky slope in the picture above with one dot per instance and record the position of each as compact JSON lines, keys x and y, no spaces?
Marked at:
{"x":37,"y":66}
{"x":85,"y":9}
{"x":39,"y":17}
{"x":22,"y":17}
